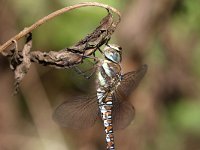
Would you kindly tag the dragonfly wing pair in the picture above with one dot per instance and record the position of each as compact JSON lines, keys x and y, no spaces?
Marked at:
{"x":82,"y":112}
{"x":123,"y":111}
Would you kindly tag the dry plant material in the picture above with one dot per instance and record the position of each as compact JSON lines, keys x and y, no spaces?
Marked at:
{"x":21,"y":63}
{"x":65,"y":58}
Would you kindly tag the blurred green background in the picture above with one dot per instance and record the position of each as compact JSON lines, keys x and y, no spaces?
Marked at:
{"x":164,"y":34}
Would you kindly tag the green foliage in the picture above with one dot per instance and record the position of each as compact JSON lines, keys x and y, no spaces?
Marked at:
{"x":186,"y":116}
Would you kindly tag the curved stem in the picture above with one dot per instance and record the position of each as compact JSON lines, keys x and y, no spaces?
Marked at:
{"x":51,"y":16}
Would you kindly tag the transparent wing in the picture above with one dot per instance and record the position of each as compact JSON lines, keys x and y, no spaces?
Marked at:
{"x":79,"y":113}
{"x":123,"y":111}
{"x":129,"y":82}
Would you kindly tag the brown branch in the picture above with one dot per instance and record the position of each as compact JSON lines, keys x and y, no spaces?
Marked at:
{"x":53,"y":15}
{"x":73,"y":55}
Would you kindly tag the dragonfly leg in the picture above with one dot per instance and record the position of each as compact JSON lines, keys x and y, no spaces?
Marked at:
{"x":94,"y":59}
{"x":101,"y":50}
{"x":83,"y":73}
{"x":93,"y":68}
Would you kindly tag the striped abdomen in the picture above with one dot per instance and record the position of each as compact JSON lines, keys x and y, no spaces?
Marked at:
{"x":105,"y":106}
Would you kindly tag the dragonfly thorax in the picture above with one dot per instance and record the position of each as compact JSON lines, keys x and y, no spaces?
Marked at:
{"x":108,"y":74}
{"x":109,"y":69}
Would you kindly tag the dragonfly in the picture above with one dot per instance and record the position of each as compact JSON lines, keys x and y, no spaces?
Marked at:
{"x":110,"y":102}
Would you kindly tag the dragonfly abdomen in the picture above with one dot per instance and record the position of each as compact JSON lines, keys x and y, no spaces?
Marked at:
{"x":105,"y":106}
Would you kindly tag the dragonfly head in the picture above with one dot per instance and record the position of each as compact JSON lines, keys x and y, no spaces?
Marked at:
{"x":113,"y":53}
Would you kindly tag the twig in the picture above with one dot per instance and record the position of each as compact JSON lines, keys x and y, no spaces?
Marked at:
{"x":51,"y":16}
